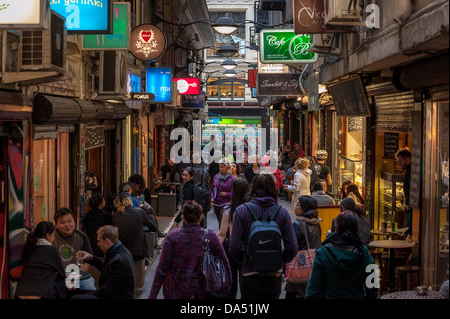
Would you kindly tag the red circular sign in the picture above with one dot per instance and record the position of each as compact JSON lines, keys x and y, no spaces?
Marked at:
{"x":148,"y":42}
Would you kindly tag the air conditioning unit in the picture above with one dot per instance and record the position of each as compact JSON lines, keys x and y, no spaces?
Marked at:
{"x":325,"y":43}
{"x":44,"y":50}
{"x":342,"y":13}
{"x":113,"y":72}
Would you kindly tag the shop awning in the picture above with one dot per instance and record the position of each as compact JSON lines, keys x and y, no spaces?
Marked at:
{"x":14,"y":106}
{"x":49,"y":109}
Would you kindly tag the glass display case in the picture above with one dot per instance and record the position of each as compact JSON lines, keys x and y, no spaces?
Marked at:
{"x":391,"y":198}
{"x":351,"y":169}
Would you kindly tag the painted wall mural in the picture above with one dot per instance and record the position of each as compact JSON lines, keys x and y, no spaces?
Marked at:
{"x":20,"y":218}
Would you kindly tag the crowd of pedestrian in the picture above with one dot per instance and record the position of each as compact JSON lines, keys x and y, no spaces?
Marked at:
{"x":256,"y":237}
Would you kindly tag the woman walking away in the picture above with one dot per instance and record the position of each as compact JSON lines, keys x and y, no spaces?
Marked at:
{"x":262,"y":263}
{"x":340,"y":269}
{"x":300,"y":185}
{"x":43,"y":270}
{"x":353,"y":193}
{"x":239,"y":193}
{"x":179,"y":263}
{"x":307,"y":222}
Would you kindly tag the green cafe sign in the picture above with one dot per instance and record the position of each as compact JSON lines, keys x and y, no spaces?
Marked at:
{"x":284,"y":46}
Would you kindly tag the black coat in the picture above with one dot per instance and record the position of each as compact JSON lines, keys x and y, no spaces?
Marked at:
{"x":116,"y":280}
{"x":131,"y":229}
{"x":92,"y":222}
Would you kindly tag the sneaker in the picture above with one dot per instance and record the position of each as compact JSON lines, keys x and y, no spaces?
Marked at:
{"x":162,"y":235}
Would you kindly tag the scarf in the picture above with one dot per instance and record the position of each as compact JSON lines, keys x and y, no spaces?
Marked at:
{"x":223,"y":178}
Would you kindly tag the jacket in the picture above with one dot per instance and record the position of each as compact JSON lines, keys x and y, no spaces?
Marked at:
{"x":187,"y":193}
{"x":311,"y":220}
{"x":179,"y":263}
{"x":40,"y":271}
{"x":92,"y":222}
{"x":131,"y":229}
{"x":300,"y":185}
{"x":224,"y":187}
{"x":116,"y":280}
{"x":340,"y":270}
{"x":242,"y":219}
{"x":323,"y":199}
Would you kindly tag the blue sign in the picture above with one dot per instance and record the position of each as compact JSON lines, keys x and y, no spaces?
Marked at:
{"x":85,"y":16}
{"x":194,"y":101}
{"x":159,"y":82}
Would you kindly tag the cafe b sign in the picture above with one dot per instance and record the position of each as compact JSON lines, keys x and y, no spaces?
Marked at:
{"x":284,"y":46}
{"x":148,"y":42}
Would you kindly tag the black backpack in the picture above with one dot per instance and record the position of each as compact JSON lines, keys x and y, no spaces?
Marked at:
{"x":203,"y":197}
{"x":264,"y":244}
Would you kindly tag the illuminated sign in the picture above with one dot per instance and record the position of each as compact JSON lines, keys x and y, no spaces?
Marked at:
{"x":159,"y":82}
{"x":24,"y":14}
{"x":149,"y":97}
{"x":148,"y":42}
{"x":188,"y":85}
{"x":194,"y":101}
{"x":119,"y":40}
{"x":85,"y":16}
{"x":284,"y":46}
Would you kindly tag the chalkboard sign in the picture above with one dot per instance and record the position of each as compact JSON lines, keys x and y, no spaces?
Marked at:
{"x":350,"y":98}
{"x":390,"y":144}
{"x":416,"y":160}
{"x":354,"y":124}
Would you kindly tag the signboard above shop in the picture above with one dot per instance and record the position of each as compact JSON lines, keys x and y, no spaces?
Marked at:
{"x":284,"y":46}
{"x":188,"y":85}
{"x":24,"y":14}
{"x":278,"y":84}
{"x":148,"y":42}
{"x":159,"y":82}
{"x":119,"y":40}
{"x":85,"y":16}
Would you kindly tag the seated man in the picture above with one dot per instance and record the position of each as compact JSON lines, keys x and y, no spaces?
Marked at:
{"x":320,"y":196}
{"x":170,"y":172}
{"x":117,"y":271}
{"x":69,"y":241}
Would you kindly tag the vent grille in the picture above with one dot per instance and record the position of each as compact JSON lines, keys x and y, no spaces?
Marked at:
{"x":32,"y":48}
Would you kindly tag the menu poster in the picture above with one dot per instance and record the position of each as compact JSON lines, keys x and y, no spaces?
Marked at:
{"x":390,"y":144}
{"x":416,"y":160}
{"x":354,"y":124}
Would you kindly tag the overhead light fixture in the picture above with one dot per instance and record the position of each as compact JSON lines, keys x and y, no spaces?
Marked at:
{"x":227,"y":50}
{"x":225,"y":25}
{"x":230,"y":73}
{"x":229,"y":64}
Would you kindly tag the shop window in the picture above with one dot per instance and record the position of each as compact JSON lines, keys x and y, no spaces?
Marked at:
{"x":225,"y":92}
{"x":44,"y":180}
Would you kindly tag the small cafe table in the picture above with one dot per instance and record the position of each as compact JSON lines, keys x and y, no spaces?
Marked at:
{"x":410,"y":294}
{"x":391,"y":245}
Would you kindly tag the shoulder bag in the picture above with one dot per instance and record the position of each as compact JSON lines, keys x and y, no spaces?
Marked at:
{"x":215,"y":279}
{"x":298,"y":270}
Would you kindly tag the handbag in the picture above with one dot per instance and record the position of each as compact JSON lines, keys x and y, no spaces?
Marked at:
{"x":298,"y":270}
{"x":215,"y":279}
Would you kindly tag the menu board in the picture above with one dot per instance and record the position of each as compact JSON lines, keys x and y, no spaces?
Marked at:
{"x":390,"y":144}
{"x":416,"y":160}
{"x":354,"y":124}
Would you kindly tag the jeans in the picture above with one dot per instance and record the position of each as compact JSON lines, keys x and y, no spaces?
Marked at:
{"x":260,"y":287}
{"x":218,"y":213}
{"x":88,"y":284}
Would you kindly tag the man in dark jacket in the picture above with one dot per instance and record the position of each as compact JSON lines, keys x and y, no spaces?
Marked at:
{"x":117,"y":271}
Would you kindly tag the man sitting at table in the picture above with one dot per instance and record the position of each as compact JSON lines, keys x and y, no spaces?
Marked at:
{"x":117,"y":271}
{"x":169,"y":173}
{"x":69,"y":240}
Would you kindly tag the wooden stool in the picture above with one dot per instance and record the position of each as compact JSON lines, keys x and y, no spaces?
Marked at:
{"x":406,"y":276}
